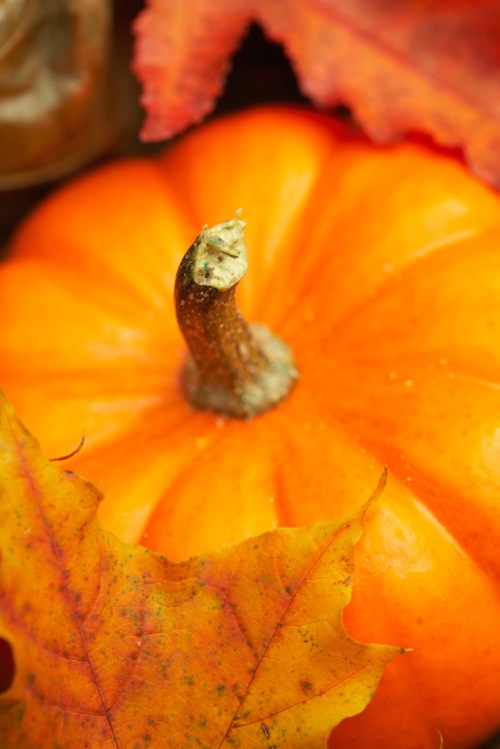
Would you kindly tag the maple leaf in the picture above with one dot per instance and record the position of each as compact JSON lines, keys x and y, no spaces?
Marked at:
{"x":117,"y":647}
{"x":402,"y":66}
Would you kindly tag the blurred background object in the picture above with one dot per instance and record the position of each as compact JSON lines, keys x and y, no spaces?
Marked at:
{"x":57,"y":105}
{"x":68,"y":98}
{"x":54,"y":104}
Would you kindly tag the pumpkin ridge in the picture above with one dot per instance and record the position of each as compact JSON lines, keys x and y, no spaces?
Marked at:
{"x":449,"y":522}
{"x":320,"y":334}
{"x":172,"y":495}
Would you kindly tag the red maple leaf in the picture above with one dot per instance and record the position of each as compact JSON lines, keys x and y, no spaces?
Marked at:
{"x":401,"y":65}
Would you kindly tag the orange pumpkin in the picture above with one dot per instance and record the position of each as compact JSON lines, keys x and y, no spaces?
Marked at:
{"x":380,"y":267}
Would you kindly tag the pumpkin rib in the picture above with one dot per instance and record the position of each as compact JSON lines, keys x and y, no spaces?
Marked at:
{"x":59,"y":287}
{"x":461,"y":530}
{"x":172,"y":495}
{"x":401,"y":438}
{"x":381,"y":452}
{"x":391,"y":556}
{"x":469,"y":260}
{"x":248,"y":503}
{"x":138,"y":188}
{"x":83,"y":318}
{"x":420,"y":732}
{"x":327,"y":460}
{"x":123,"y":497}
{"x":343,"y":229}
{"x":337,"y":327}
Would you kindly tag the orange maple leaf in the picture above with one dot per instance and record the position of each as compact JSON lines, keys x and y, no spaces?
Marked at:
{"x":402,"y":66}
{"x":117,"y":647}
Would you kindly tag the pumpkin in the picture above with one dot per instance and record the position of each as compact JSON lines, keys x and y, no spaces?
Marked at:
{"x":380,"y":268}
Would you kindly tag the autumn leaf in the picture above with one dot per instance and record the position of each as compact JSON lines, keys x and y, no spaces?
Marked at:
{"x":116,"y":647}
{"x":429,"y":66}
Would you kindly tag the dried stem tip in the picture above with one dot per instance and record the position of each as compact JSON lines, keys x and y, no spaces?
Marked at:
{"x":233,"y":368}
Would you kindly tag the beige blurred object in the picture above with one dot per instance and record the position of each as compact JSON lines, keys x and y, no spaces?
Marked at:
{"x":56,"y":109}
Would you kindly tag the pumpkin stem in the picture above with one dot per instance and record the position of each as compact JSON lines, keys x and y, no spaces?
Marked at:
{"x":233,"y":368}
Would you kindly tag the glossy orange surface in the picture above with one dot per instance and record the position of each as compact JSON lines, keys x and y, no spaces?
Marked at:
{"x":381,"y":269}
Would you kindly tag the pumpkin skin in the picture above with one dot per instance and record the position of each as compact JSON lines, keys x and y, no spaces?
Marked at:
{"x":380,"y":267}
